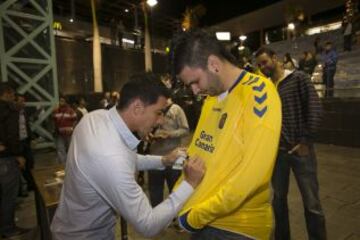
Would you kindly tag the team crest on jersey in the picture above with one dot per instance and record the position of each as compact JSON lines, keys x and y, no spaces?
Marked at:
{"x":222,"y":120}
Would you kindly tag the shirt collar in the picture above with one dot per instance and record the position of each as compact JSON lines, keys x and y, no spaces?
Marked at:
{"x":287,"y":72}
{"x":129,"y":138}
{"x":241,"y":76}
{"x":223,"y":95}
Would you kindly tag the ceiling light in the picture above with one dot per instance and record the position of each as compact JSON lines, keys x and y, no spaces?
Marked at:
{"x":223,"y":36}
{"x":243,"y":37}
{"x":126,"y":40}
{"x":151,"y":3}
{"x":291,"y":26}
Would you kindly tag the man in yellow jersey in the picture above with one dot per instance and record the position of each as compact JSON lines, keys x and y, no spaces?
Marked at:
{"x":237,"y":136}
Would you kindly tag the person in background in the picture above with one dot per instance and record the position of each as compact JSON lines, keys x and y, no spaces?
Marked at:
{"x":65,"y":119}
{"x":11,"y":162}
{"x":115,"y":96}
{"x":100,"y":173}
{"x":81,"y":108}
{"x":318,"y":46}
{"x":166,"y":138}
{"x":25,"y":141}
{"x":104,"y":102}
{"x":302,"y":61}
{"x":347,"y":33}
{"x":301,"y":115}
{"x":329,"y":59}
{"x":289,"y":62}
{"x":247,"y":65}
{"x":309,"y":63}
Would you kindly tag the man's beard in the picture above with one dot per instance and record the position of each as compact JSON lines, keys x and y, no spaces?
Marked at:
{"x":269,"y":72}
{"x":215,"y":87}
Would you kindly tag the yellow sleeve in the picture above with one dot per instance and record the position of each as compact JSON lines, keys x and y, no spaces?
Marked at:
{"x":254,"y":174}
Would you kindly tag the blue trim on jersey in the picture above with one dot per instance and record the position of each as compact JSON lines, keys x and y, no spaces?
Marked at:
{"x":261,"y":99}
{"x":241,"y":76}
{"x":260,"y":112}
{"x":253,"y":81}
{"x":259,"y":88}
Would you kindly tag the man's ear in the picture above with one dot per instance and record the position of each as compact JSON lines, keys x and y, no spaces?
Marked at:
{"x":137,"y":107}
{"x":214,"y":63}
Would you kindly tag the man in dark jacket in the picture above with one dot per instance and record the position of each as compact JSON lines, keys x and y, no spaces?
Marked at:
{"x":25,"y":141}
{"x":301,"y":115}
{"x":10,"y":161}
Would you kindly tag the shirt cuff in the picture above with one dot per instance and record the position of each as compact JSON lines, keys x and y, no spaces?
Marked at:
{"x":148,"y":162}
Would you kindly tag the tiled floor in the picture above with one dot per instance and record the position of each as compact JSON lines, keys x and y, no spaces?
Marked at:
{"x":339,"y":177}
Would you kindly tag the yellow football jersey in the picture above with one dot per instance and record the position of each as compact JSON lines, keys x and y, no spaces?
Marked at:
{"x":237,"y":137}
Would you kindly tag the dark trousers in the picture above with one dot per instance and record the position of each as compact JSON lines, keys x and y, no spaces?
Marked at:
{"x":9,"y":187}
{"x":328,"y":79}
{"x":347,"y":42}
{"x":28,"y":155}
{"x":210,"y":233}
{"x":156,"y":183}
{"x":305,"y":171}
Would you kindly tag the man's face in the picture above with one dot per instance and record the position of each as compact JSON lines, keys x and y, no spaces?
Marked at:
{"x":11,"y":96}
{"x":201,"y":81}
{"x":62,"y":102}
{"x":266,"y":64}
{"x":82,"y":102}
{"x":20,"y":102}
{"x":328,"y":47}
{"x":167,"y":82}
{"x":151,"y":116}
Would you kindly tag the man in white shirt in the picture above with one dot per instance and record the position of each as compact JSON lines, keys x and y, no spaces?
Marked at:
{"x":100,"y":172}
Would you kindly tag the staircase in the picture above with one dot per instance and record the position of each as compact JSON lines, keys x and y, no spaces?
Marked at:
{"x":347,"y":77}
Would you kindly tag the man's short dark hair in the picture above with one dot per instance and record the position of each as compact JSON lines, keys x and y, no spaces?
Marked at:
{"x":63,"y":97}
{"x":265,"y":50}
{"x":192,"y":48}
{"x":145,"y":86}
{"x":5,"y":88}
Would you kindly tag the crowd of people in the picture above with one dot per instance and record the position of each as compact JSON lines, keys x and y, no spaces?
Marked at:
{"x":252,"y":131}
{"x":324,"y":54}
{"x":257,"y":123}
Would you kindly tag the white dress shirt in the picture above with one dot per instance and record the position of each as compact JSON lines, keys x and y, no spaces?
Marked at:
{"x":100,"y":183}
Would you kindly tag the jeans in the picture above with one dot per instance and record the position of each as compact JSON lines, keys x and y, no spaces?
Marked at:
{"x":62,"y":146}
{"x":9,"y":188}
{"x":328,"y":79}
{"x":210,"y":233}
{"x":347,"y":42}
{"x":305,"y":171}
{"x":156,"y":183}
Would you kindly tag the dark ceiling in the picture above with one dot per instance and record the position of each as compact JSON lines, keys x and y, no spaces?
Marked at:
{"x":165,"y":17}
